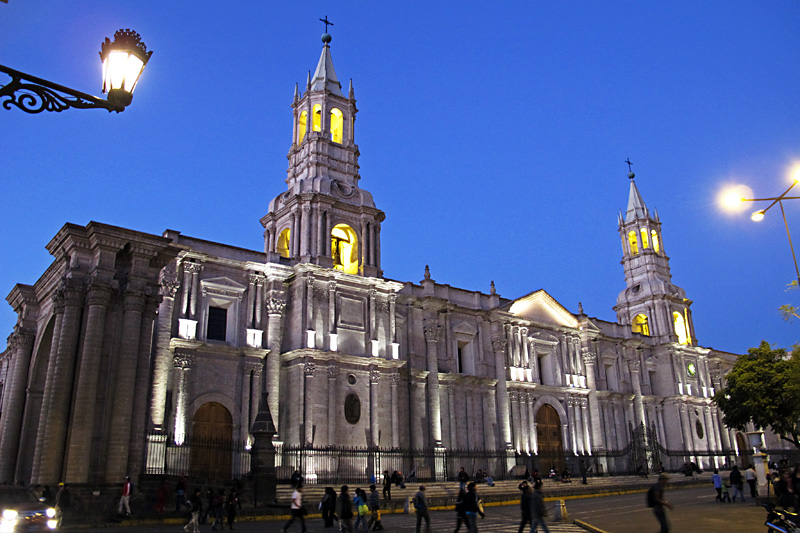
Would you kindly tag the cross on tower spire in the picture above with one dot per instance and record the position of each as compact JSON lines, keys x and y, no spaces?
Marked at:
{"x":326,"y":22}
{"x":629,"y":164}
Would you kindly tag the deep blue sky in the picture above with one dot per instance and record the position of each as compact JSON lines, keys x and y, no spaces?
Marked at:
{"x":492,"y":134}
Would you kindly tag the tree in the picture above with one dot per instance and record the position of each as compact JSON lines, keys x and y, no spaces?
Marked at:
{"x":790,"y":311}
{"x":764,"y":388}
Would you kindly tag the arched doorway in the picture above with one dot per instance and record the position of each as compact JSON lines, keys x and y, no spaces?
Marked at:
{"x":744,"y":450}
{"x":212,"y":442}
{"x":548,"y":435}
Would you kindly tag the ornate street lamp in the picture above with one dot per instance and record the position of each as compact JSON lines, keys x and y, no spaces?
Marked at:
{"x":123,"y":63}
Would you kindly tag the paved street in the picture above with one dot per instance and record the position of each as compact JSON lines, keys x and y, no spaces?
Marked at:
{"x":695,"y":511}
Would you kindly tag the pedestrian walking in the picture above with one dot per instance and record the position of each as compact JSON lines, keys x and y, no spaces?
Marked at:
{"x":328,"y":506}
{"x":716,"y":479}
{"x":538,"y":510}
{"x":162,"y":495}
{"x":298,"y":511}
{"x":460,"y":516}
{"x":344,"y":510}
{"x":726,"y":496}
{"x":195,"y":505}
{"x":125,"y":499}
{"x":737,"y":483}
{"x":387,"y":486}
{"x":472,"y":508}
{"x":421,"y":509}
{"x":584,"y":471}
{"x":525,"y":505}
{"x":463,"y":478}
{"x":750,"y":478}
{"x":218,"y":508}
{"x":231,"y":506}
{"x":63,"y":503}
{"x":657,"y":502}
{"x":375,"y":508}
{"x":362,"y":510}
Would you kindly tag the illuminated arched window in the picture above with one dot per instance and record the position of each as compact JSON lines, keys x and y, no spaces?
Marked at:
{"x":283,"y":243}
{"x":632,"y":241}
{"x":344,"y":249}
{"x":654,"y":239}
{"x":644,"y":239}
{"x":317,"y":126}
{"x":302,"y":124}
{"x":640,"y":324}
{"x":681,"y":328}
{"x":337,"y":125}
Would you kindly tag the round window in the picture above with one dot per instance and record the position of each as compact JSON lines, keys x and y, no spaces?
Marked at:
{"x":351,"y":379}
{"x":699,"y":428}
{"x":352,"y":409}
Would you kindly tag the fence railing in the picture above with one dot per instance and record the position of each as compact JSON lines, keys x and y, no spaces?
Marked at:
{"x":223,"y":460}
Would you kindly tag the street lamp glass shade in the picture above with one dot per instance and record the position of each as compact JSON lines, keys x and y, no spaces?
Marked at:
{"x":757,"y":216}
{"x":123,"y":63}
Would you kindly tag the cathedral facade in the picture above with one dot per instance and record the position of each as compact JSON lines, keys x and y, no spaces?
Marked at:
{"x":131,"y":342}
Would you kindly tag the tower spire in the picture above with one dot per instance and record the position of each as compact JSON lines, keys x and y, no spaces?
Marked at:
{"x":636,"y":208}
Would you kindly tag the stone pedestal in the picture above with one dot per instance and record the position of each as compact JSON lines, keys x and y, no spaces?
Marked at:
{"x":262,"y":456}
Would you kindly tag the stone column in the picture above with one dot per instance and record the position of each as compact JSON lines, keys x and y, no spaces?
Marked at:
{"x":56,"y":419}
{"x":308,"y":415}
{"x":195,"y":270}
{"x":687,"y":429}
{"x":305,"y":231}
{"x":21,"y":345}
{"x":163,"y":358}
{"x":499,"y":347}
{"x":82,"y":431}
{"x":573,"y":423}
{"x":709,"y":432}
{"x":275,"y":307}
{"x":452,"y":418}
{"x":594,"y":410}
{"x":58,"y":311}
{"x":333,"y":372}
{"x":718,"y":436}
{"x":141,"y":387}
{"x":526,"y":420}
{"x":660,"y":418}
{"x":490,"y":427}
{"x":587,"y":441}
{"x":432,"y":330}
{"x":634,"y":364}
{"x":395,"y":378}
{"x":122,"y":404}
{"x":513,"y":397}
{"x":374,"y":428}
{"x":182,"y":363}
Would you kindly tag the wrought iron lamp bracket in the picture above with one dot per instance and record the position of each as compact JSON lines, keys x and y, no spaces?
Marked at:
{"x":34,"y":95}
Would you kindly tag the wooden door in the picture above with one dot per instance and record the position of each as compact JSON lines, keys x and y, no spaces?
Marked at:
{"x":211,"y":441}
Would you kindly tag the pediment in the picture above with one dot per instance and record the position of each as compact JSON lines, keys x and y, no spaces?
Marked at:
{"x":541,"y":307}
{"x":465,"y":328}
{"x":222,"y":286}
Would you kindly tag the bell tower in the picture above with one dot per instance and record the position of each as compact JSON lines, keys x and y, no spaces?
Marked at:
{"x":650,"y":304}
{"x":324,"y":217}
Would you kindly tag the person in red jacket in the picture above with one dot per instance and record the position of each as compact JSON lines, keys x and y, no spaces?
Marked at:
{"x":125,"y":500}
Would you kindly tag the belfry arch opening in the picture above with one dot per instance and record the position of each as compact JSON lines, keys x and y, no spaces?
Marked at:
{"x":337,"y":125}
{"x":282,"y":246}
{"x":654,"y":240}
{"x":302,"y":125}
{"x":317,"y":125}
{"x":681,"y":328}
{"x":633,"y":242}
{"x":644,"y":239}
{"x":344,"y":249}
{"x":640,"y":324}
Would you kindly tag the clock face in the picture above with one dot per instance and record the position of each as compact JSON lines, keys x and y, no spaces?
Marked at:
{"x":691,"y":370}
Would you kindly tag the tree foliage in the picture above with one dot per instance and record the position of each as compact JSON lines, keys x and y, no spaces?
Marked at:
{"x":789,"y":311}
{"x":764,"y":388}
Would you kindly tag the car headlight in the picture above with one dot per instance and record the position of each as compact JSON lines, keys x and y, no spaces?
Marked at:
{"x":9,"y":514}
{"x":51,"y":513}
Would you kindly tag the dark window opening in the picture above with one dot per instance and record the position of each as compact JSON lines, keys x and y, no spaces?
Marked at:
{"x":460,"y":368}
{"x":217,"y":323}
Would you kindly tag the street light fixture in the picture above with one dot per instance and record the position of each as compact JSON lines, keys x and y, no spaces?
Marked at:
{"x":123,"y":60}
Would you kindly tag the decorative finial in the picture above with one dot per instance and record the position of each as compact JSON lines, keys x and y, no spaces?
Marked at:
{"x":580,"y":308}
{"x":308,"y":81}
{"x":631,"y":175}
{"x":492,"y":289}
{"x":326,"y":38}
{"x":427,"y":272}
{"x":351,"y":93}
{"x":296,"y":93}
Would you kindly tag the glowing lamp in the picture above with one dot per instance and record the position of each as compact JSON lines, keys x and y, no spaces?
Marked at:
{"x":123,"y":63}
{"x":757,"y":216}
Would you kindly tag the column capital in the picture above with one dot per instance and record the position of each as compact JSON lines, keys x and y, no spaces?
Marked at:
{"x":588,"y":357}
{"x":374,"y":376}
{"x":394,"y":379}
{"x":192,"y":268}
{"x":499,"y":343}
{"x":275,"y":306}
{"x":183,"y":360}
{"x":309,"y":369}
{"x":634,"y":365}
{"x":333,"y":371}
{"x":134,"y":300}
{"x":432,"y":329}
{"x":169,"y":286}
{"x":21,"y":338}
{"x":256,"y":278}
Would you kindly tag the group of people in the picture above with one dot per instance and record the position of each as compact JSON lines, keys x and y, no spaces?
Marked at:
{"x":787,"y":486}
{"x":360,"y":512}
{"x":532,"y":506}
{"x":734,"y":483}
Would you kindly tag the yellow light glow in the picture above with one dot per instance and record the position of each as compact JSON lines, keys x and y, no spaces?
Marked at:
{"x":654,"y":239}
{"x":344,"y":249}
{"x":302,"y":124}
{"x":283,"y":243}
{"x":317,"y":126}
{"x":794,"y":172}
{"x":337,"y":125}
{"x":730,"y":198}
{"x":121,"y":70}
{"x":645,"y":244}
{"x":633,"y":242}
{"x":757,"y":216}
{"x":680,"y":328}
{"x":640,"y":325}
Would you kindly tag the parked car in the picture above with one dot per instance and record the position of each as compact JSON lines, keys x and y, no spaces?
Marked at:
{"x":21,"y":510}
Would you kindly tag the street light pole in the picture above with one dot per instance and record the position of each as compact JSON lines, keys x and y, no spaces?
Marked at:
{"x":123,"y":59}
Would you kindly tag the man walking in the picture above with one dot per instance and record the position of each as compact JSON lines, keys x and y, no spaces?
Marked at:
{"x":421,"y":508}
{"x":344,"y":510}
{"x":298,"y":512}
{"x":750,"y":477}
{"x":656,"y":501}
{"x":737,"y":483}
{"x":387,"y":485}
{"x":375,"y":508}
{"x":538,"y":510}
{"x":125,"y":500}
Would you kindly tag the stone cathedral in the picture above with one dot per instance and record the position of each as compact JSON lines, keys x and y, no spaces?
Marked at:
{"x":130,"y":342}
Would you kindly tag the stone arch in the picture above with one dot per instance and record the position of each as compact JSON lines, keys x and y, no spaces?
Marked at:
{"x":549,"y":417}
{"x":345,"y":248}
{"x":220,"y":398}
